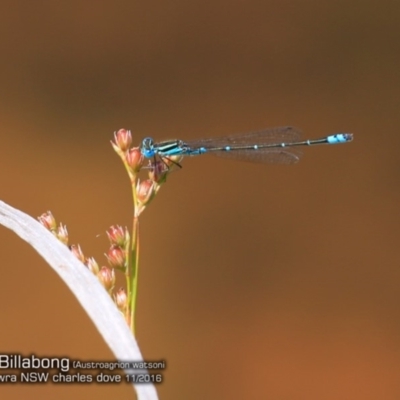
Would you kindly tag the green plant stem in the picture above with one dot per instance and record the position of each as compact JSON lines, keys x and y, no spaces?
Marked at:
{"x":133,"y":262}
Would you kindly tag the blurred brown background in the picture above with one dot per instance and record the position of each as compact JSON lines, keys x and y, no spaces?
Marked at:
{"x":256,"y":282}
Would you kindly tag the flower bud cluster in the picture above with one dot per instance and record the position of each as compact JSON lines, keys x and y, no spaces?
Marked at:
{"x":59,"y":231}
{"x":119,"y":238}
{"x":158,"y":169}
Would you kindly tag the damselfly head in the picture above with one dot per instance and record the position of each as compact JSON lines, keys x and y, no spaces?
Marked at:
{"x":147,"y":147}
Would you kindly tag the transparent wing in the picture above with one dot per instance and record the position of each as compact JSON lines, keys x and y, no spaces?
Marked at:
{"x":264,"y":156}
{"x":270,"y":136}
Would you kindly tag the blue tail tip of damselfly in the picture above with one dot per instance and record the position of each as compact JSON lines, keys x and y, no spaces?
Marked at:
{"x":340,"y":138}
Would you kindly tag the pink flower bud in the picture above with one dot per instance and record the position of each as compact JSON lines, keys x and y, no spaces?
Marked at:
{"x":62,"y":234}
{"x":173,"y":161}
{"x":92,"y":265}
{"x":121,"y":300}
{"x":107,"y":278}
{"x":116,"y":256}
{"x":77,"y":252}
{"x":117,"y":235}
{"x":123,"y":139}
{"x":145,"y":191}
{"x":48,"y":221}
{"x":135,"y":159}
{"x":158,"y":172}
